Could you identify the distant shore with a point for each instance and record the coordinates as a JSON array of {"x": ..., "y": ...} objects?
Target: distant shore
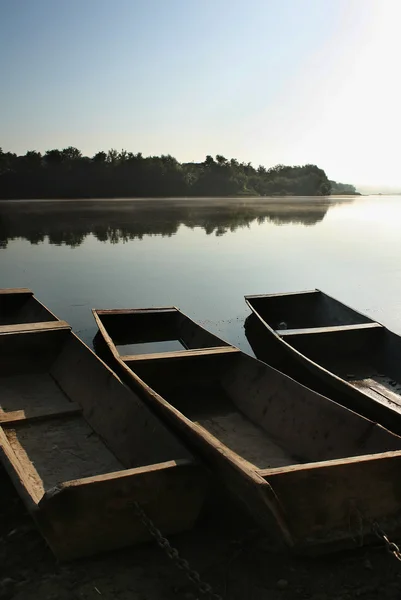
[{"x": 189, "y": 199}]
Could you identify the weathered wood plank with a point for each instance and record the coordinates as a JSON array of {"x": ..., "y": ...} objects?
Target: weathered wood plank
[
  {"x": 31, "y": 327},
  {"x": 6, "y": 291},
  {"x": 133, "y": 311},
  {"x": 106, "y": 338},
  {"x": 303, "y": 292},
  {"x": 312, "y": 467},
  {"x": 143, "y": 470},
  {"x": 19, "y": 416},
  {"x": 180, "y": 353},
  {"x": 18, "y": 473},
  {"x": 379, "y": 392},
  {"x": 329, "y": 329}
]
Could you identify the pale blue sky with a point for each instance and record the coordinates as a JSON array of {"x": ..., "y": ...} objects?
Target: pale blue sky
[{"x": 266, "y": 81}]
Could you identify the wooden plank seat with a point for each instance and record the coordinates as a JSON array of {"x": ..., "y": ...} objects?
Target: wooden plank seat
[{"x": 329, "y": 329}]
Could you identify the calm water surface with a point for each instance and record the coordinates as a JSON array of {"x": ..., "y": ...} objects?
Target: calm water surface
[{"x": 202, "y": 255}]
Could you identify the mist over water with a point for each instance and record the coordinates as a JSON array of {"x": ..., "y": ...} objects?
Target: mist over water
[{"x": 202, "y": 255}]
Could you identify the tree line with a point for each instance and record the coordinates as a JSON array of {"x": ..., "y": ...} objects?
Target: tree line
[
  {"x": 68, "y": 174},
  {"x": 343, "y": 189}
]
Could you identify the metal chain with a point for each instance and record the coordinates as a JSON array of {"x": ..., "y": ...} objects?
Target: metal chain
[
  {"x": 391, "y": 546},
  {"x": 182, "y": 564}
]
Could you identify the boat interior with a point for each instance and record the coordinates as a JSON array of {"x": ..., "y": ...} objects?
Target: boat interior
[
  {"x": 304, "y": 310},
  {"x": 266, "y": 418},
  {"x": 20, "y": 306},
  {"x": 346, "y": 343},
  {"x": 65, "y": 416},
  {"x": 146, "y": 331}
]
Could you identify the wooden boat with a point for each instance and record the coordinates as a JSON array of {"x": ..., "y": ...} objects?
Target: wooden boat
[
  {"x": 314, "y": 474},
  {"x": 19, "y": 307},
  {"x": 331, "y": 348},
  {"x": 80, "y": 447}
]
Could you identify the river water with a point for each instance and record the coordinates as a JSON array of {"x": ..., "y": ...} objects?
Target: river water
[{"x": 202, "y": 255}]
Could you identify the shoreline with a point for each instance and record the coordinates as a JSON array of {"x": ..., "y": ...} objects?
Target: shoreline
[{"x": 192, "y": 199}]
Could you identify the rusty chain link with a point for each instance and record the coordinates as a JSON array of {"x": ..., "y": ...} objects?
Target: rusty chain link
[
  {"x": 392, "y": 548},
  {"x": 182, "y": 564}
]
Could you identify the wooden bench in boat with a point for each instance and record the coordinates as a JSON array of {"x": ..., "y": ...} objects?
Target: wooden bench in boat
[
  {"x": 261, "y": 431},
  {"x": 179, "y": 353},
  {"x": 81, "y": 447},
  {"x": 329, "y": 329},
  {"x": 39, "y": 326}
]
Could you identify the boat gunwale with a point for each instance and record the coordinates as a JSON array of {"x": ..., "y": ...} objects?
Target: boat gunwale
[
  {"x": 34, "y": 327},
  {"x": 128, "y": 311},
  {"x": 251, "y": 296},
  {"x": 333, "y": 462},
  {"x": 117, "y": 475},
  {"x": 11, "y": 291}
]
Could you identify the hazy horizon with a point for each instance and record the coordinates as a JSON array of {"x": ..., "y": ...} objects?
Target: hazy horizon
[
  {"x": 266, "y": 82},
  {"x": 377, "y": 189}
]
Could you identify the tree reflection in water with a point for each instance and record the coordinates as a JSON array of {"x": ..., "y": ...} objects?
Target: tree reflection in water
[{"x": 69, "y": 222}]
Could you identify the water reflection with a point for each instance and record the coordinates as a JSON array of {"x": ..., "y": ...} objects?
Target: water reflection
[{"x": 69, "y": 222}]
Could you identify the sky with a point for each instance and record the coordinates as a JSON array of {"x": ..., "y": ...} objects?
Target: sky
[{"x": 264, "y": 81}]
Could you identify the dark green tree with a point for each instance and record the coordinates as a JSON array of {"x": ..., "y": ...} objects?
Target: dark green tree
[{"x": 67, "y": 173}]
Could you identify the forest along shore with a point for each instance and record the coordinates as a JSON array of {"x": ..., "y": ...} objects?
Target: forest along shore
[{"x": 68, "y": 174}]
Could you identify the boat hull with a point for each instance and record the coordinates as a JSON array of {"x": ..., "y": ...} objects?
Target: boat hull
[
  {"x": 83, "y": 450},
  {"x": 310, "y": 506},
  {"x": 299, "y": 358}
]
